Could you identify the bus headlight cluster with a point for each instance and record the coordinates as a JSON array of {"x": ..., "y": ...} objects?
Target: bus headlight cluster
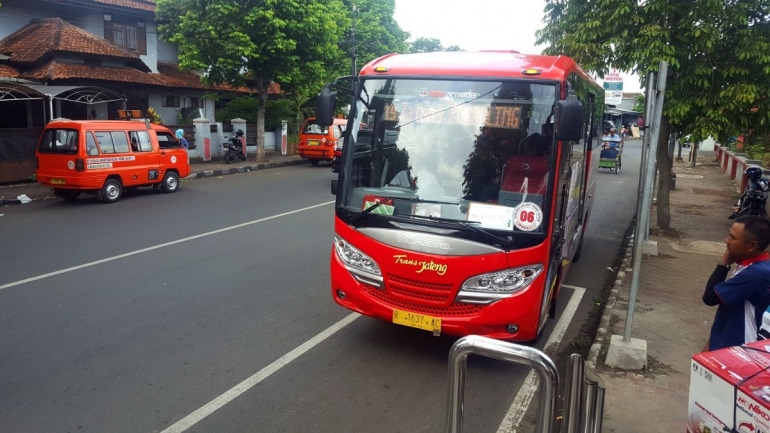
[
  {"x": 354, "y": 258},
  {"x": 485, "y": 288}
]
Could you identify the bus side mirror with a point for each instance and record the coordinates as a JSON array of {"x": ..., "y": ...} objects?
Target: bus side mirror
[
  {"x": 324, "y": 110},
  {"x": 569, "y": 119},
  {"x": 334, "y": 186}
]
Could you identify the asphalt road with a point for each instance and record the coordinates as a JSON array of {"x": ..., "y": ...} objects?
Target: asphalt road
[{"x": 144, "y": 315}]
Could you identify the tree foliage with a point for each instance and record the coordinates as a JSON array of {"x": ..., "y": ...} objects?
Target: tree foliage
[
  {"x": 718, "y": 51},
  {"x": 253, "y": 42},
  {"x": 425, "y": 45},
  {"x": 377, "y": 33}
]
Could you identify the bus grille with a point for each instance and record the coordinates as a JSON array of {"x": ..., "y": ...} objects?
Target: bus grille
[
  {"x": 419, "y": 291},
  {"x": 454, "y": 309}
]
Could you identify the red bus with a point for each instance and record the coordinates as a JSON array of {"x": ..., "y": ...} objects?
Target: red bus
[{"x": 464, "y": 189}]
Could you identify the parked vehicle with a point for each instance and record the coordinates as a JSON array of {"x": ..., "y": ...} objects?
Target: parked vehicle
[
  {"x": 318, "y": 143},
  {"x": 106, "y": 157},
  {"x": 233, "y": 149},
  {"x": 754, "y": 198},
  {"x": 458, "y": 210}
]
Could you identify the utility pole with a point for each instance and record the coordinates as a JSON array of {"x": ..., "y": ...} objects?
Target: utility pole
[{"x": 353, "y": 68}]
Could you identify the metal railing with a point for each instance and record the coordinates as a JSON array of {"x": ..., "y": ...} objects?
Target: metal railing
[
  {"x": 584, "y": 394},
  {"x": 584, "y": 398},
  {"x": 539, "y": 361}
]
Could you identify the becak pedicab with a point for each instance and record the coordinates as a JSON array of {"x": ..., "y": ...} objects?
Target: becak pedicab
[{"x": 612, "y": 147}]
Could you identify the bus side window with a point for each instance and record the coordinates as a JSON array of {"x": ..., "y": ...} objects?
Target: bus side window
[
  {"x": 140, "y": 141},
  {"x": 104, "y": 140},
  {"x": 121, "y": 142},
  {"x": 91, "y": 148}
]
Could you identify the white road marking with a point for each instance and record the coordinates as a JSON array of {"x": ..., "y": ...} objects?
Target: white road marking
[
  {"x": 163, "y": 245},
  {"x": 229, "y": 395},
  {"x": 520, "y": 404}
]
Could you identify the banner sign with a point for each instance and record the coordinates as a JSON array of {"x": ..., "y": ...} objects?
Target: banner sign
[{"x": 613, "y": 88}]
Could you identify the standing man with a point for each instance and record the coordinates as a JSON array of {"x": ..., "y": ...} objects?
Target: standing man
[{"x": 742, "y": 299}]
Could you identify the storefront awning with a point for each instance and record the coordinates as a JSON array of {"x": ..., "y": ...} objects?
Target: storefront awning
[
  {"x": 18, "y": 92},
  {"x": 80, "y": 94}
]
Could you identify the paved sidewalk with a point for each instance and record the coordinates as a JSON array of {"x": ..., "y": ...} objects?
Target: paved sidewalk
[
  {"x": 669, "y": 313},
  {"x": 199, "y": 169}
]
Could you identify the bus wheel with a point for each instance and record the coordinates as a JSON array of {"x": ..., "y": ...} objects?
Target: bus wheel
[
  {"x": 111, "y": 191},
  {"x": 170, "y": 182},
  {"x": 579, "y": 249}
]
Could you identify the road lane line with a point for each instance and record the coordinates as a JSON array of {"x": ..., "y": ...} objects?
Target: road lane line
[
  {"x": 163, "y": 245},
  {"x": 229, "y": 395},
  {"x": 520, "y": 404}
]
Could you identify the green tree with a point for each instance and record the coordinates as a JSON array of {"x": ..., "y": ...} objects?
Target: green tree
[
  {"x": 425, "y": 45},
  {"x": 454, "y": 48},
  {"x": 639, "y": 103},
  {"x": 718, "y": 53},
  {"x": 377, "y": 33},
  {"x": 253, "y": 41}
]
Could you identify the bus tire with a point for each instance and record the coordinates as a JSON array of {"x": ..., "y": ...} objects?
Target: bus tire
[
  {"x": 579, "y": 251},
  {"x": 170, "y": 182},
  {"x": 111, "y": 191}
]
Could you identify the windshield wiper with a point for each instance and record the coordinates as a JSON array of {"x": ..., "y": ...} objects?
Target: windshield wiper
[
  {"x": 363, "y": 213},
  {"x": 470, "y": 226}
]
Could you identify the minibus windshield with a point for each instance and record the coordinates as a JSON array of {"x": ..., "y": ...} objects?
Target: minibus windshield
[{"x": 461, "y": 150}]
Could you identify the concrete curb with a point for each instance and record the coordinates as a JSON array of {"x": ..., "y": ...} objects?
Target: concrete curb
[
  {"x": 243, "y": 169},
  {"x": 609, "y": 307}
]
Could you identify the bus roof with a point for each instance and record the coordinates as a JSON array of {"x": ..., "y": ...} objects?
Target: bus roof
[{"x": 503, "y": 64}]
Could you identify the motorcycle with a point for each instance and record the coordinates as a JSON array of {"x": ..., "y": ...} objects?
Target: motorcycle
[
  {"x": 234, "y": 149},
  {"x": 754, "y": 198}
]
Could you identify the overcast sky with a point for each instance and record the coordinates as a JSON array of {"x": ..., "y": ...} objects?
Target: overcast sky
[{"x": 480, "y": 24}]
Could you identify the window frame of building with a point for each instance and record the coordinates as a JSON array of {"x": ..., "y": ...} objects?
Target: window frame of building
[{"x": 174, "y": 101}]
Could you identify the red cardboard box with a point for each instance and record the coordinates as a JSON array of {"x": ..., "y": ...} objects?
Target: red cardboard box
[
  {"x": 752, "y": 400},
  {"x": 714, "y": 382}
]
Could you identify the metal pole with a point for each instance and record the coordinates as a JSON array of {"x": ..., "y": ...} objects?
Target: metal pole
[
  {"x": 649, "y": 107},
  {"x": 643, "y": 218},
  {"x": 353, "y": 69},
  {"x": 539, "y": 361},
  {"x": 573, "y": 395}
]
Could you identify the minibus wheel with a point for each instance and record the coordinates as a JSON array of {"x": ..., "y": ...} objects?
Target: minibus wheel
[
  {"x": 111, "y": 191},
  {"x": 170, "y": 182},
  {"x": 314, "y": 162}
]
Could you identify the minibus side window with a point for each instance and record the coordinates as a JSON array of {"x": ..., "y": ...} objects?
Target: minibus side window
[
  {"x": 121, "y": 142},
  {"x": 140, "y": 141},
  {"x": 91, "y": 145},
  {"x": 104, "y": 140}
]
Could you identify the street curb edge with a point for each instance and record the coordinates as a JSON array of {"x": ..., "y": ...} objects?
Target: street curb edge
[
  {"x": 243, "y": 169},
  {"x": 609, "y": 307}
]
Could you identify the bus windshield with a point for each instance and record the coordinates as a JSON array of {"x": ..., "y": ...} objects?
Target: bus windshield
[{"x": 476, "y": 152}]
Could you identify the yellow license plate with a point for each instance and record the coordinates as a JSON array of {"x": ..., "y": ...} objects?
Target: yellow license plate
[
  {"x": 419, "y": 321},
  {"x": 57, "y": 181},
  {"x": 313, "y": 142}
]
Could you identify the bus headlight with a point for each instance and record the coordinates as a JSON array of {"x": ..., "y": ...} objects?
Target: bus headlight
[
  {"x": 485, "y": 288},
  {"x": 354, "y": 259}
]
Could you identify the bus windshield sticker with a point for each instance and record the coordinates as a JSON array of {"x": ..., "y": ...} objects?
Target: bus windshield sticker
[
  {"x": 527, "y": 217},
  {"x": 386, "y": 208},
  {"x": 491, "y": 216},
  {"x": 440, "y": 112},
  {"x": 427, "y": 209}
]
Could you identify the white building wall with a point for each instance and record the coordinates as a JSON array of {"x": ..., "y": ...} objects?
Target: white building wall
[
  {"x": 166, "y": 51},
  {"x": 151, "y": 58}
]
